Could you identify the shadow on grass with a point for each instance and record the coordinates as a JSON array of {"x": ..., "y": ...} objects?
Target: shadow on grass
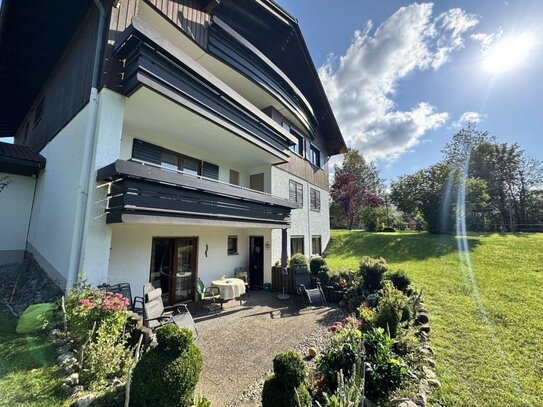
[{"x": 394, "y": 247}]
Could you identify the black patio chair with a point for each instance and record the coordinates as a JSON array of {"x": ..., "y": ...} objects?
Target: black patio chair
[
  {"x": 243, "y": 274},
  {"x": 135, "y": 304},
  {"x": 305, "y": 289},
  {"x": 155, "y": 317}
]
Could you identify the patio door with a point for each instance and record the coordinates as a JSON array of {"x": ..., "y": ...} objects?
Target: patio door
[
  {"x": 174, "y": 268},
  {"x": 256, "y": 261}
]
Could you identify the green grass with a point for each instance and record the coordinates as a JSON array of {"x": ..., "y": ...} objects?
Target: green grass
[
  {"x": 28, "y": 375},
  {"x": 487, "y": 319}
]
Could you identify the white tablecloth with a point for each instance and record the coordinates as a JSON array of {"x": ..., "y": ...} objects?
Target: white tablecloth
[{"x": 230, "y": 288}]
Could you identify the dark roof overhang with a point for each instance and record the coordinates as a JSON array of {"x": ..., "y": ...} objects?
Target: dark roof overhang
[
  {"x": 20, "y": 160},
  {"x": 277, "y": 34},
  {"x": 33, "y": 36}
]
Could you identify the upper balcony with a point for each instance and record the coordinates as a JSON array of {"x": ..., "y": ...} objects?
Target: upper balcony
[
  {"x": 167, "y": 76},
  {"x": 144, "y": 193}
]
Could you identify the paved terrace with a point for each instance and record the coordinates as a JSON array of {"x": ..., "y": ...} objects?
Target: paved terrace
[{"x": 239, "y": 344}]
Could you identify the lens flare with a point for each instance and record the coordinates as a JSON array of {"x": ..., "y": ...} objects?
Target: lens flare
[{"x": 508, "y": 53}]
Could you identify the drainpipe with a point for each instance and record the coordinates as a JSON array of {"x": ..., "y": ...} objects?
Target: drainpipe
[{"x": 86, "y": 180}]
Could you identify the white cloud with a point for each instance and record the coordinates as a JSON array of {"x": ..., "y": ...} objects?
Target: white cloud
[
  {"x": 486, "y": 40},
  {"x": 468, "y": 117},
  {"x": 362, "y": 83}
]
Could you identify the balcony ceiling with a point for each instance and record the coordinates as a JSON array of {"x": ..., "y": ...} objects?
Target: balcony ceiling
[{"x": 151, "y": 113}]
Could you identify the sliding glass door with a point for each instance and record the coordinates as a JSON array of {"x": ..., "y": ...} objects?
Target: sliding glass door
[{"x": 174, "y": 268}]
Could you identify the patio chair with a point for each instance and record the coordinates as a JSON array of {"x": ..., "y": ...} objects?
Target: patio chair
[
  {"x": 155, "y": 317},
  {"x": 304, "y": 288},
  {"x": 243, "y": 274},
  {"x": 207, "y": 294},
  {"x": 135, "y": 304}
]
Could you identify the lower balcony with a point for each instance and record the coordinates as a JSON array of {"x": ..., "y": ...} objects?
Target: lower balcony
[{"x": 142, "y": 193}]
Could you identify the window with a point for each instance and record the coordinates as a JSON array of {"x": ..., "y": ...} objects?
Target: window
[
  {"x": 296, "y": 245},
  {"x": 234, "y": 177},
  {"x": 172, "y": 160},
  {"x": 232, "y": 246},
  {"x": 314, "y": 199},
  {"x": 296, "y": 192},
  {"x": 299, "y": 146},
  {"x": 316, "y": 249},
  {"x": 315, "y": 156},
  {"x": 38, "y": 114},
  {"x": 256, "y": 182}
]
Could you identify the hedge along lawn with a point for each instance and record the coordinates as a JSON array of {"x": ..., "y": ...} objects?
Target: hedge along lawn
[
  {"x": 28, "y": 374},
  {"x": 487, "y": 320}
]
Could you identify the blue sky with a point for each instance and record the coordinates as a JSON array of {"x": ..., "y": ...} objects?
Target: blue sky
[{"x": 401, "y": 75}]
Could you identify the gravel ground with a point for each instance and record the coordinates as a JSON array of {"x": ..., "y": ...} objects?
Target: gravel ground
[{"x": 240, "y": 343}]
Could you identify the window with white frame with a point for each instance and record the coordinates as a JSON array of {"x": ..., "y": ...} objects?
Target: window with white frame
[
  {"x": 316, "y": 248},
  {"x": 232, "y": 247},
  {"x": 296, "y": 245}
]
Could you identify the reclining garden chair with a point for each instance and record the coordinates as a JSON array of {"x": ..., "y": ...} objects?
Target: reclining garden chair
[
  {"x": 304, "y": 288},
  {"x": 155, "y": 317}
]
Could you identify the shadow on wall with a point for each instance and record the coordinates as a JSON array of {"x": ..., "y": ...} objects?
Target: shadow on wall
[{"x": 395, "y": 247}]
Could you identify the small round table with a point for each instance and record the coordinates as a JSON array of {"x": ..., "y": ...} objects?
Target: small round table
[{"x": 230, "y": 288}]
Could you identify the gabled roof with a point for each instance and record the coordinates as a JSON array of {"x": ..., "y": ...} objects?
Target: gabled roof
[
  {"x": 277, "y": 34},
  {"x": 33, "y": 36},
  {"x": 21, "y": 160}
]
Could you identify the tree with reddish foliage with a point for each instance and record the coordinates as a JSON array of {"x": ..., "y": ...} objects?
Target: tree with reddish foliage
[{"x": 350, "y": 195}]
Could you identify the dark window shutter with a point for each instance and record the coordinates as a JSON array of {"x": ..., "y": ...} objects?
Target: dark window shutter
[
  {"x": 292, "y": 191},
  {"x": 210, "y": 170},
  {"x": 148, "y": 152}
]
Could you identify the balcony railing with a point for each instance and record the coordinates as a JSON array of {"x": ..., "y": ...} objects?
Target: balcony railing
[{"x": 141, "y": 189}]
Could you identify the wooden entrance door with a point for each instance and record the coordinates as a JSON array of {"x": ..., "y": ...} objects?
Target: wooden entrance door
[{"x": 174, "y": 268}]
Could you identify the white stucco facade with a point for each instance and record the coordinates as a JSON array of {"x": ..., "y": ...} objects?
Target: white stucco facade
[
  {"x": 131, "y": 248},
  {"x": 15, "y": 209},
  {"x": 305, "y": 222}
]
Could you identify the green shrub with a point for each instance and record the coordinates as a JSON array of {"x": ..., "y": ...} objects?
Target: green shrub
[
  {"x": 316, "y": 264},
  {"x": 384, "y": 369},
  {"x": 298, "y": 260},
  {"x": 286, "y": 386},
  {"x": 390, "y": 309},
  {"x": 373, "y": 300},
  {"x": 105, "y": 358},
  {"x": 167, "y": 375},
  {"x": 324, "y": 276},
  {"x": 399, "y": 278},
  {"x": 371, "y": 271}
]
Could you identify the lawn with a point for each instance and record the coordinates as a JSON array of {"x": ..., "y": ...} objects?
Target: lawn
[
  {"x": 486, "y": 307},
  {"x": 28, "y": 376}
]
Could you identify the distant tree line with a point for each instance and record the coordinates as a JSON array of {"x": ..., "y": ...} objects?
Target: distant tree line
[{"x": 478, "y": 183}]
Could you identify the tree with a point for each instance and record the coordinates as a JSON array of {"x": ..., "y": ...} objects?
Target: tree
[
  {"x": 432, "y": 192},
  {"x": 4, "y": 182},
  {"x": 349, "y": 195},
  {"x": 463, "y": 143},
  {"x": 366, "y": 173}
]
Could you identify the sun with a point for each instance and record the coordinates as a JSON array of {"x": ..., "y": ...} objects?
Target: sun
[{"x": 508, "y": 53}]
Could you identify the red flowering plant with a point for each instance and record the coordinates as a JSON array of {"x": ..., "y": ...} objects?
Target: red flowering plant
[
  {"x": 88, "y": 308},
  {"x": 98, "y": 319}
]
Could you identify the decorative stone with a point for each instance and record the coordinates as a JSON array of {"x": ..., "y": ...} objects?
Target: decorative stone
[
  {"x": 77, "y": 389},
  {"x": 434, "y": 383},
  {"x": 427, "y": 350},
  {"x": 425, "y": 328},
  {"x": 67, "y": 389},
  {"x": 431, "y": 363},
  {"x": 72, "y": 380},
  {"x": 421, "y": 399},
  {"x": 424, "y": 387},
  {"x": 55, "y": 333},
  {"x": 59, "y": 341},
  {"x": 84, "y": 401},
  {"x": 312, "y": 352},
  {"x": 401, "y": 402},
  {"x": 422, "y": 318},
  {"x": 429, "y": 373},
  {"x": 61, "y": 350},
  {"x": 65, "y": 356}
]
